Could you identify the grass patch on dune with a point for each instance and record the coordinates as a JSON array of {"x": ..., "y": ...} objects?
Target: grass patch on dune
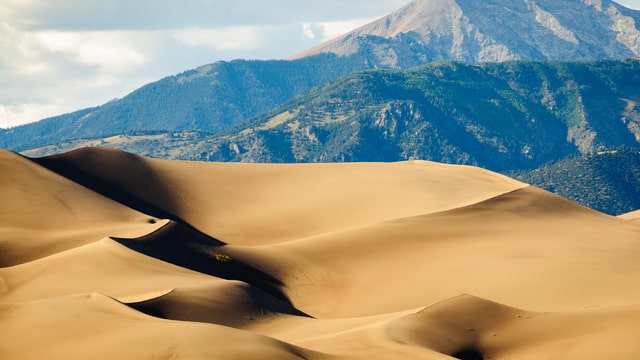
[{"x": 222, "y": 258}]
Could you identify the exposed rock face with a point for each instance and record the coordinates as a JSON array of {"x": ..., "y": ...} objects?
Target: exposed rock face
[{"x": 476, "y": 31}]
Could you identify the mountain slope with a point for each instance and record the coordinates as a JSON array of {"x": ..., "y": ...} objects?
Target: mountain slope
[
  {"x": 210, "y": 98},
  {"x": 505, "y": 116},
  {"x": 492, "y": 30},
  {"x": 605, "y": 181}
]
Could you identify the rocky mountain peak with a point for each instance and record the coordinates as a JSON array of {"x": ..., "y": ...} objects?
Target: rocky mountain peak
[{"x": 475, "y": 31}]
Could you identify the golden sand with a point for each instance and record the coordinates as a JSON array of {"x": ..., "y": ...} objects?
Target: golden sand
[{"x": 106, "y": 255}]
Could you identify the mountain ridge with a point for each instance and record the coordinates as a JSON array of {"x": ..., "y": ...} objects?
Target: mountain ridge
[
  {"x": 209, "y": 98},
  {"x": 537, "y": 111},
  {"x": 492, "y": 31},
  {"x": 499, "y": 116}
]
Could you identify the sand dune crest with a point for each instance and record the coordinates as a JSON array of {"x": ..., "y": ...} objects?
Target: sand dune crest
[
  {"x": 467, "y": 327},
  {"x": 230, "y": 303},
  {"x": 184, "y": 246},
  {"x": 631, "y": 216},
  {"x": 237, "y": 202},
  {"x": 455, "y": 327}
]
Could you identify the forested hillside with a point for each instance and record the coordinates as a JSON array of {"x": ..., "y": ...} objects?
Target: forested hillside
[
  {"x": 208, "y": 99},
  {"x": 505, "y": 116},
  {"x": 607, "y": 181}
]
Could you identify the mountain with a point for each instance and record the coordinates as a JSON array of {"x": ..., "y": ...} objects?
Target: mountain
[
  {"x": 217, "y": 96},
  {"x": 501, "y": 116},
  {"x": 505, "y": 116},
  {"x": 210, "y": 98},
  {"x": 473, "y": 31}
]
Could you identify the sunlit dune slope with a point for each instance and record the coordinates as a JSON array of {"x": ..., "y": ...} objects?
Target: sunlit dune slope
[
  {"x": 108, "y": 255},
  {"x": 266, "y": 203},
  {"x": 470, "y": 327},
  {"x": 528, "y": 248},
  {"x": 94, "y": 326}
]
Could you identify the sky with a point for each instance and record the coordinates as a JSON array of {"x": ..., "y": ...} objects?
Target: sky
[{"x": 58, "y": 56}]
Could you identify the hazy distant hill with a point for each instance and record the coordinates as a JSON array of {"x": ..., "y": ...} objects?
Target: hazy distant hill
[{"x": 474, "y": 31}]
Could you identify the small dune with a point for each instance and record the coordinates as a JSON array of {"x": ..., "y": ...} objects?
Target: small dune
[
  {"x": 108, "y": 255},
  {"x": 230, "y": 303},
  {"x": 467, "y": 327}
]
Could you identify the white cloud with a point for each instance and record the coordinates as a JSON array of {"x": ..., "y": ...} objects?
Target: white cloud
[
  {"x": 633, "y": 4},
  {"x": 34, "y": 69},
  {"x": 332, "y": 29},
  {"x": 170, "y": 14},
  {"x": 46, "y": 73},
  {"x": 10, "y": 115},
  {"x": 228, "y": 38},
  {"x": 310, "y": 30},
  {"x": 326, "y": 30},
  {"x": 109, "y": 50}
]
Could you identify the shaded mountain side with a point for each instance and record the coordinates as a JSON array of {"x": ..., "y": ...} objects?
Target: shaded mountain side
[
  {"x": 210, "y": 98},
  {"x": 492, "y": 30},
  {"x": 606, "y": 181}
]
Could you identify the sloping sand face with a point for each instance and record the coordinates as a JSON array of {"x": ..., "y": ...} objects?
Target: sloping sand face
[
  {"x": 109, "y": 255},
  {"x": 42, "y": 213},
  {"x": 631, "y": 216},
  {"x": 258, "y": 204}
]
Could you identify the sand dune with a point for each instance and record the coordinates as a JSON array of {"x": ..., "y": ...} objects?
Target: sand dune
[
  {"x": 474, "y": 327},
  {"x": 266, "y": 203},
  {"x": 94, "y": 326},
  {"x": 43, "y": 213},
  {"x": 632, "y": 216},
  {"x": 231, "y": 303},
  {"x": 109, "y": 255}
]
